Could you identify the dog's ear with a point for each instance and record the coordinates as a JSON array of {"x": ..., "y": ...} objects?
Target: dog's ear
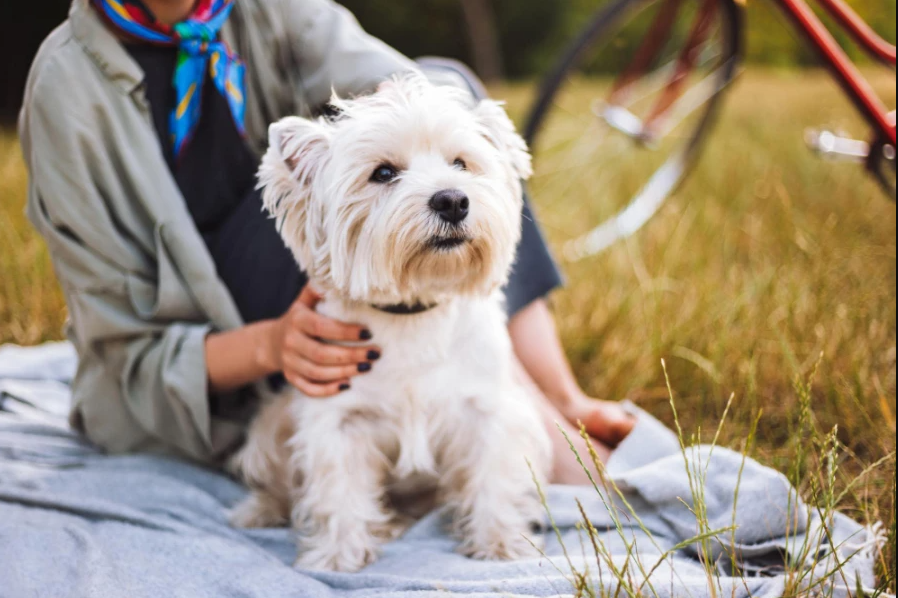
[
  {"x": 501, "y": 132},
  {"x": 298, "y": 150},
  {"x": 301, "y": 144}
]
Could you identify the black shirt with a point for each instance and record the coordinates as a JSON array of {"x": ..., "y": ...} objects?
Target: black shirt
[{"x": 216, "y": 173}]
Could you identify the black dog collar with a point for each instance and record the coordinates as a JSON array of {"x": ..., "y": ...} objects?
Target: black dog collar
[{"x": 403, "y": 309}]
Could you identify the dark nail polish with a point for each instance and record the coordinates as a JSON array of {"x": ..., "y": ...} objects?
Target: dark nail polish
[
  {"x": 373, "y": 355},
  {"x": 344, "y": 387},
  {"x": 364, "y": 367},
  {"x": 366, "y": 335}
]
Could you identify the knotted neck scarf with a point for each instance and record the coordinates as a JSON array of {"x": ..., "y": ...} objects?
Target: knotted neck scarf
[{"x": 200, "y": 51}]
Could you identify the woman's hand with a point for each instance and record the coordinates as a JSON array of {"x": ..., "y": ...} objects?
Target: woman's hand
[
  {"x": 295, "y": 344},
  {"x": 605, "y": 421},
  {"x": 300, "y": 347}
]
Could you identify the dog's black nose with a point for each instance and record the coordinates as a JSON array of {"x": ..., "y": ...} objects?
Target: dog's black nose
[{"x": 452, "y": 206}]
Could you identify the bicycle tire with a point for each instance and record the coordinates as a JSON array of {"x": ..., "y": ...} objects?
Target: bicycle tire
[{"x": 604, "y": 22}]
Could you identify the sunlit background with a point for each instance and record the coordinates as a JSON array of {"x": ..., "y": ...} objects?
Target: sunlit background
[{"x": 768, "y": 265}]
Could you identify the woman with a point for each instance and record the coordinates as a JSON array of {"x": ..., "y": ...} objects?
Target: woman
[{"x": 142, "y": 128}]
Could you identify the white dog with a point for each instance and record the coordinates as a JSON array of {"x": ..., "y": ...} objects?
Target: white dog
[{"x": 405, "y": 210}]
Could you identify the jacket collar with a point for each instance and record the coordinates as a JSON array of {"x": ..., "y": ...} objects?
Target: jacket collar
[
  {"x": 104, "y": 47},
  {"x": 107, "y": 51}
]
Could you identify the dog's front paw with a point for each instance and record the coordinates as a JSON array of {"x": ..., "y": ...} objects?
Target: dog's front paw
[
  {"x": 346, "y": 556},
  {"x": 498, "y": 544},
  {"x": 340, "y": 560}
]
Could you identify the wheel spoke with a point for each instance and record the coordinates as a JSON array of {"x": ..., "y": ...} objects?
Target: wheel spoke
[
  {"x": 694, "y": 98},
  {"x": 629, "y": 153}
]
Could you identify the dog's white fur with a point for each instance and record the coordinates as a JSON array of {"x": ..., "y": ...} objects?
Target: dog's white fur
[{"x": 442, "y": 409}]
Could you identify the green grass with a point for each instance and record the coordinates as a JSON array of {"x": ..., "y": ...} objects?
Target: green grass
[{"x": 767, "y": 259}]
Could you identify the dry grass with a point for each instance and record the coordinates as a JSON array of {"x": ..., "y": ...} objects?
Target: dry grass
[
  {"x": 766, "y": 259},
  {"x": 31, "y": 306}
]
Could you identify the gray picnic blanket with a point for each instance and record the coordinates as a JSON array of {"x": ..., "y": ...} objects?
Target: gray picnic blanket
[{"x": 74, "y": 522}]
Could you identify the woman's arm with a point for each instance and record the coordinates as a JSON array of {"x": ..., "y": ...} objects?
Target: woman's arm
[
  {"x": 295, "y": 344},
  {"x": 334, "y": 54},
  {"x": 538, "y": 348}
]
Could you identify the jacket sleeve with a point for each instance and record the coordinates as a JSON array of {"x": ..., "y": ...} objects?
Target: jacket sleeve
[
  {"x": 142, "y": 381},
  {"x": 333, "y": 52}
]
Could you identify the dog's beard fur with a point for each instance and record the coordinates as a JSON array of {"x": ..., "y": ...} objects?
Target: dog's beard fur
[
  {"x": 442, "y": 402},
  {"x": 377, "y": 243}
]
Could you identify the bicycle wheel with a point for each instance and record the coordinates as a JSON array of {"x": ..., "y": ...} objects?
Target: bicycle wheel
[{"x": 621, "y": 118}]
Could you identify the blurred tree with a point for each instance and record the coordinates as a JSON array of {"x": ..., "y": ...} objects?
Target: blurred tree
[
  {"x": 526, "y": 30},
  {"x": 484, "y": 38},
  {"x": 437, "y": 28},
  {"x": 23, "y": 26}
]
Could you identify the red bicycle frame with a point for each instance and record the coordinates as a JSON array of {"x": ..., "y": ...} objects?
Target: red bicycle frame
[{"x": 846, "y": 73}]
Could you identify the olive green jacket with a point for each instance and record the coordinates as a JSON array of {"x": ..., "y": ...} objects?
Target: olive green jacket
[{"x": 141, "y": 287}]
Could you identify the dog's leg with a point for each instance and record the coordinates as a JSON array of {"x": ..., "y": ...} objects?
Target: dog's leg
[
  {"x": 490, "y": 486},
  {"x": 260, "y": 509},
  {"x": 262, "y": 464},
  {"x": 339, "y": 510}
]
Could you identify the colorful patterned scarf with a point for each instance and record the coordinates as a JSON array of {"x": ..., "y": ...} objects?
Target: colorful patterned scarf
[{"x": 200, "y": 51}]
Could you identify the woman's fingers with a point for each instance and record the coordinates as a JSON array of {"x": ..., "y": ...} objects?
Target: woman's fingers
[
  {"x": 608, "y": 422},
  {"x": 322, "y": 374},
  {"x": 304, "y": 318},
  {"x": 309, "y": 297},
  {"x": 318, "y": 326},
  {"x": 318, "y": 391},
  {"x": 320, "y": 353}
]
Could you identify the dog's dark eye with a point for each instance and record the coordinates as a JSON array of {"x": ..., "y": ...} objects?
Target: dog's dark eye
[
  {"x": 384, "y": 174},
  {"x": 331, "y": 113},
  {"x": 460, "y": 164}
]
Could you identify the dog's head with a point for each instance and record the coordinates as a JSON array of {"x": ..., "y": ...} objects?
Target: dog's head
[{"x": 408, "y": 195}]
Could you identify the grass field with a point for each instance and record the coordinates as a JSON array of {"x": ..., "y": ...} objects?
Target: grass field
[{"x": 766, "y": 260}]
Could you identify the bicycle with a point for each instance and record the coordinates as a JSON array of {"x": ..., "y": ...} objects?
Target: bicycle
[{"x": 673, "y": 61}]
